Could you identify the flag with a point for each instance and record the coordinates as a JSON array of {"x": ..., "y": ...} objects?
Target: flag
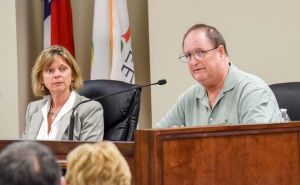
[
  {"x": 111, "y": 50},
  {"x": 58, "y": 27}
]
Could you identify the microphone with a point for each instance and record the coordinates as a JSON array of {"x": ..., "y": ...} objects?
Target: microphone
[{"x": 72, "y": 118}]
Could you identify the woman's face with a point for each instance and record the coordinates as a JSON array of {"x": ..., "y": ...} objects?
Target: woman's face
[{"x": 58, "y": 77}]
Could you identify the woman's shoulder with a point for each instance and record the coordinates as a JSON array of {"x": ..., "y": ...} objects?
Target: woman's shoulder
[
  {"x": 88, "y": 105},
  {"x": 36, "y": 106},
  {"x": 38, "y": 103}
]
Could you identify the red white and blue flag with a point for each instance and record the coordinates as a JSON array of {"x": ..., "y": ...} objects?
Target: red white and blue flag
[
  {"x": 111, "y": 51},
  {"x": 58, "y": 27}
]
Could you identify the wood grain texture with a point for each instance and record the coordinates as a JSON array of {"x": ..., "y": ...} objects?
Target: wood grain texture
[
  {"x": 211, "y": 155},
  {"x": 219, "y": 155}
]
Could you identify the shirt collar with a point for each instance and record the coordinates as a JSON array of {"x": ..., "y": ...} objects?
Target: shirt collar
[
  {"x": 228, "y": 84},
  {"x": 66, "y": 107},
  {"x": 229, "y": 81}
]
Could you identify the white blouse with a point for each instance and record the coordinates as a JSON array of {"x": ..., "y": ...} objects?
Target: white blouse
[{"x": 43, "y": 132}]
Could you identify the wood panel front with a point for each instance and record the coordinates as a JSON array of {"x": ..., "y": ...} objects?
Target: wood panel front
[
  {"x": 224, "y": 155},
  {"x": 215, "y": 155}
]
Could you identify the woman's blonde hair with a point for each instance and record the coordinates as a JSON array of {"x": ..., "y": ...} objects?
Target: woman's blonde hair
[
  {"x": 44, "y": 60},
  {"x": 99, "y": 163}
]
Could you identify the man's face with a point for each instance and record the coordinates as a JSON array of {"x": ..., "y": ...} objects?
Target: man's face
[{"x": 208, "y": 68}]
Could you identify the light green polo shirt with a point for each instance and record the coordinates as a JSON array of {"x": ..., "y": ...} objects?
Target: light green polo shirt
[{"x": 245, "y": 98}]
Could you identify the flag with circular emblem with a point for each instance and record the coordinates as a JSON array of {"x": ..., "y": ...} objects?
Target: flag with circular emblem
[{"x": 111, "y": 50}]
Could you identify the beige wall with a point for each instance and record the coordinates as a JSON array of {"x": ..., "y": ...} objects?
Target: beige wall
[
  {"x": 29, "y": 34},
  {"x": 9, "y": 116},
  {"x": 262, "y": 37}
]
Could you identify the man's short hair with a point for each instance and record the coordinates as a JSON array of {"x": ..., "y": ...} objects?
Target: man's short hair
[
  {"x": 215, "y": 37},
  {"x": 28, "y": 163}
]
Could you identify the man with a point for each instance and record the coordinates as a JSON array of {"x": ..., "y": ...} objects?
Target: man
[
  {"x": 224, "y": 94},
  {"x": 29, "y": 163}
]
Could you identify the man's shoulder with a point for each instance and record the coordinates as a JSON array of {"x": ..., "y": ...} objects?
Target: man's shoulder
[
  {"x": 194, "y": 89},
  {"x": 191, "y": 93},
  {"x": 247, "y": 79}
]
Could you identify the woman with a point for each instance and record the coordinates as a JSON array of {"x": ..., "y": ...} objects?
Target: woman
[
  {"x": 57, "y": 76},
  {"x": 99, "y": 163}
]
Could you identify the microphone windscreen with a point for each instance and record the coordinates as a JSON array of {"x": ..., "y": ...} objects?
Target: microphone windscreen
[{"x": 162, "y": 82}]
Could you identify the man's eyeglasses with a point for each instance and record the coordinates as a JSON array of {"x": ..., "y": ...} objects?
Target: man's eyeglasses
[{"x": 197, "y": 53}]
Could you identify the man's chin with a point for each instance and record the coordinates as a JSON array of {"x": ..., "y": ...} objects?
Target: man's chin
[{"x": 200, "y": 78}]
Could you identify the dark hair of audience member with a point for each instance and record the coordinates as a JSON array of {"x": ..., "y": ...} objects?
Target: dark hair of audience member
[{"x": 28, "y": 163}]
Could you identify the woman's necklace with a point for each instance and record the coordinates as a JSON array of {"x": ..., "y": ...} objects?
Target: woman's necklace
[{"x": 51, "y": 112}]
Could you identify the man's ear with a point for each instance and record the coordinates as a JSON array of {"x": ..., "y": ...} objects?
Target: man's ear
[
  {"x": 221, "y": 51},
  {"x": 63, "y": 181}
]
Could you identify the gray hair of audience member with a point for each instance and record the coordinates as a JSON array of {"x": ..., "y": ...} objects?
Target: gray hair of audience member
[
  {"x": 215, "y": 37},
  {"x": 28, "y": 163}
]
